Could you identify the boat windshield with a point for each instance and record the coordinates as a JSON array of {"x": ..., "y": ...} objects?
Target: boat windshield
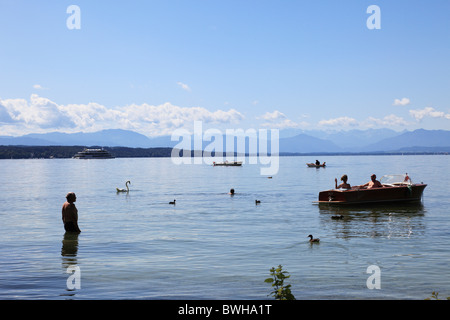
[{"x": 395, "y": 179}]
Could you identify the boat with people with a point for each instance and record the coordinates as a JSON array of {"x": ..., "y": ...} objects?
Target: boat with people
[
  {"x": 228, "y": 163},
  {"x": 93, "y": 154},
  {"x": 394, "y": 188},
  {"x": 316, "y": 165}
]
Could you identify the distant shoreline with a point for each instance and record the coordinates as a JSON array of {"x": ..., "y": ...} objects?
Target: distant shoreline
[{"x": 65, "y": 152}]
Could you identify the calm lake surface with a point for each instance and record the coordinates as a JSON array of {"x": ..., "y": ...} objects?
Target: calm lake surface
[{"x": 211, "y": 245}]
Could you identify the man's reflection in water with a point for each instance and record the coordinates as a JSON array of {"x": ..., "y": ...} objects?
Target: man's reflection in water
[
  {"x": 69, "y": 249},
  {"x": 69, "y": 252}
]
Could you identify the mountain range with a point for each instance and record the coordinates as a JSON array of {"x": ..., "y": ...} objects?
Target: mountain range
[{"x": 356, "y": 141}]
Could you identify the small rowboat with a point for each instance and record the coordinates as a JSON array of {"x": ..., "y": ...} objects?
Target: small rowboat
[
  {"x": 228, "y": 164},
  {"x": 313, "y": 165}
]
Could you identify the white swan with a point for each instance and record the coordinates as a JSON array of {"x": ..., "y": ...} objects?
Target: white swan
[{"x": 124, "y": 190}]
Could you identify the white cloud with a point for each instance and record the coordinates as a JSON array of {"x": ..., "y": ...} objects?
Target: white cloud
[
  {"x": 401, "y": 102},
  {"x": 339, "y": 122},
  {"x": 93, "y": 116},
  {"x": 272, "y": 116},
  {"x": 277, "y": 119},
  {"x": 428, "y": 112},
  {"x": 184, "y": 86},
  {"x": 39, "y": 87},
  {"x": 391, "y": 120},
  {"x": 40, "y": 114},
  {"x": 388, "y": 121},
  {"x": 164, "y": 118},
  {"x": 5, "y": 117}
]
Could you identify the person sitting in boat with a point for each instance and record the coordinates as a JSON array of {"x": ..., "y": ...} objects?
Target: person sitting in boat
[
  {"x": 373, "y": 183},
  {"x": 317, "y": 163},
  {"x": 344, "y": 184}
]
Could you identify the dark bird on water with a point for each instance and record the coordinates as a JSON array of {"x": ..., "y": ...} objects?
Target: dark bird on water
[
  {"x": 312, "y": 239},
  {"x": 172, "y": 202},
  {"x": 257, "y": 201}
]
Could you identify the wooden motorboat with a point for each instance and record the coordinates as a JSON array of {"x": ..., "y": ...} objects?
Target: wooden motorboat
[
  {"x": 228, "y": 163},
  {"x": 395, "y": 189}
]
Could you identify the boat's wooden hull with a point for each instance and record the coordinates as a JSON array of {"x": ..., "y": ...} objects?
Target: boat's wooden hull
[{"x": 405, "y": 193}]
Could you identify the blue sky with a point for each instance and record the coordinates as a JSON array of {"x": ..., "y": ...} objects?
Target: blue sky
[{"x": 154, "y": 66}]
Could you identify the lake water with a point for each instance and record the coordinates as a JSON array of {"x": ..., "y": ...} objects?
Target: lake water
[{"x": 211, "y": 245}]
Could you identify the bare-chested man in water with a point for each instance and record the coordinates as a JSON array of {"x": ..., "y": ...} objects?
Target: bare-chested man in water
[{"x": 70, "y": 214}]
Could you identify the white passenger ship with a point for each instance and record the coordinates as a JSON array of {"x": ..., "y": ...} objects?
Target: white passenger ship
[{"x": 93, "y": 154}]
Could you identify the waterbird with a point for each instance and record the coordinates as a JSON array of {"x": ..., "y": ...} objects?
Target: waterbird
[
  {"x": 123, "y": 190},
  {"x": 337, "y": 217},
  {"x": 312, "y": 239},
  {"x": 257, "y": 201},
  {"x": 172, "y": 202}
]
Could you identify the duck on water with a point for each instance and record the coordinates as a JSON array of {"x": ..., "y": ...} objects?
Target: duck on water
[{"x": 313, "y": 240}]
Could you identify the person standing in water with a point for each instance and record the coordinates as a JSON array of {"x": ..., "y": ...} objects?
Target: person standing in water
[{"x": 70, "y": 214}]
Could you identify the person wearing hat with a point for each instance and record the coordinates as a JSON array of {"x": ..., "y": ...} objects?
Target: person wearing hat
[{"x": 70, "y": 214}]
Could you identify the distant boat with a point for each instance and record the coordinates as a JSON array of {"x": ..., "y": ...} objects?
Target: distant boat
[
  {"x": 93, "y": 154},
  {"x": 313, "y": 165},
  {"x": 228, "y": 164},
  {"x": 396, "y": 188}
]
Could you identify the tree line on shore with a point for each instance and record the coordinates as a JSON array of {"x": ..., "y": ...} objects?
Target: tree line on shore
[{"x": 61, "y": 152}]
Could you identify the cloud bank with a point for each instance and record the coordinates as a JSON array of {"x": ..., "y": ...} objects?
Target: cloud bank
[
  {"x": 428, "y": 112},
  {"x": 388, "y": 121},
  {"x": 40, "y": 115},
  {"x": 19, "y": 116},
  {"x": 339, "y": 122}
]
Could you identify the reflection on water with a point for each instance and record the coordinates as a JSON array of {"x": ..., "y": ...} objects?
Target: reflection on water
[
  {"x": 69, "y": 249},
  {"x": 376, "y": 220},
  {"x": 69, "y": 253}
]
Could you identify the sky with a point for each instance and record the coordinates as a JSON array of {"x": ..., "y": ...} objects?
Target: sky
[{"x": 158, "y": 65}]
